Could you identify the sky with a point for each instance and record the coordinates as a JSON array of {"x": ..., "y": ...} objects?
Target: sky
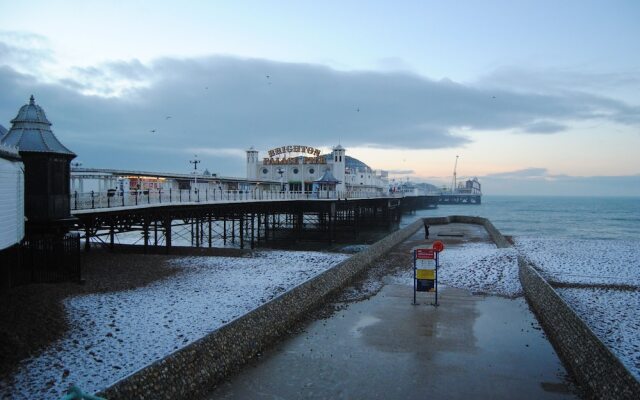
[{"x": 535, "y": 97}]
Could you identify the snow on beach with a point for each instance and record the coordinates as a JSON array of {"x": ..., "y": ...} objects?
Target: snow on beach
[
  {"x": 115, "y": 334},
  {"x": 584, "y": 261},
  {"x": 612, "y": 314},
  {"x": 479, "y": 267}
]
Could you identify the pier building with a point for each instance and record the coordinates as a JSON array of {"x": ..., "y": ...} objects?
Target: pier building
[
  {"x": 46, "y": 170},
  {"x": 47, "y": 252},
  {"x": 301, "y": 168},
  {"x": 118, "y": 182}
]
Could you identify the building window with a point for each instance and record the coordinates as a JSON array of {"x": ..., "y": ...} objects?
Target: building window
[
  {"x": 340, "y": 158},
  {"x": 295, "y": 170},
  {"x": 265, "y": 171},
  {"x": 312, "y": 171}
]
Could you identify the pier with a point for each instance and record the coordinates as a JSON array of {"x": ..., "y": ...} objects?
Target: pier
[
  {"x": 459, "y": 198},
  {"x": 237, "y": 218}
]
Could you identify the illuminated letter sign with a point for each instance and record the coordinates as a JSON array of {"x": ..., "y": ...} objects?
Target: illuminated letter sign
[{"x": 287, "y": 158}]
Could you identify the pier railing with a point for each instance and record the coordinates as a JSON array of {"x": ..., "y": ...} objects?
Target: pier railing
[{"x": 113, "y": 198}]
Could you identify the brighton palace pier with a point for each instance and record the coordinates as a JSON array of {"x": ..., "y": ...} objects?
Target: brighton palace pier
[{"x": 294, "y": 192}]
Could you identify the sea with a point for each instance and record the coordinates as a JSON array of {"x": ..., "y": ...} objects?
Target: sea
[{"x": 606, "y": 218}]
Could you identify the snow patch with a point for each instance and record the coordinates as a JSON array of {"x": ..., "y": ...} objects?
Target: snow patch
[
  {"x": 113, "y": 335},
  {"x": 613, "y": 315}
]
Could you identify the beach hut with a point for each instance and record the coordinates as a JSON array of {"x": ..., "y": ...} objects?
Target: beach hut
[{"x": 11, "y": 212}]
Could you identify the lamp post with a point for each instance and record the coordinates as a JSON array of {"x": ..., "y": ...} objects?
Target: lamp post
[
  {"x": 281, "y": 172},
  {"x": 195, "y": 163}
]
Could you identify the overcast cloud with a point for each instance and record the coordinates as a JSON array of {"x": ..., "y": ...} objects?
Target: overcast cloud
[
  {"x": 106, "y": 113},
  {"x": 538, "y": 181}
]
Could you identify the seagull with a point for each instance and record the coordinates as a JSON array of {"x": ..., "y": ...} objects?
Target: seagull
[
  {"x": 153, "y": 131},
  {"x": 167, "y": 117},
  {"x": 357, "y": 109},
  {"x": 493, "y": 97}
]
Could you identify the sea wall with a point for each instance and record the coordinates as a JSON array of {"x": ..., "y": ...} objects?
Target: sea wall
[
  {"x": 598, "y": 371},
  {"x": 196, "y": 368},
  {"x": 494, "y": 233}
]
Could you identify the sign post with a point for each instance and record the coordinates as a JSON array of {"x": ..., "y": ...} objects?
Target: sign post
[{"x": 425, "y": 270}]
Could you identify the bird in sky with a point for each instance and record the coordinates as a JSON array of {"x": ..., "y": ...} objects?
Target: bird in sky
[
  {"x": 493, "y": 97},
  {"x": 168, "y": 117},
  {"x": 153, "y": 131},
  {"x": 358, "y": 109}
]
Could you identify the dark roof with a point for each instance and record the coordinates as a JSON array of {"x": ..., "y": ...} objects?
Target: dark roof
[
  {"x": 327, "y": 177},
  {"x": 350, "y": 162},
  {"x": 31, "y": 132}
]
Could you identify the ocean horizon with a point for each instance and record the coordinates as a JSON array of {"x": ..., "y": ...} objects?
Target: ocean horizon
[{"x": 561, "y": 217}]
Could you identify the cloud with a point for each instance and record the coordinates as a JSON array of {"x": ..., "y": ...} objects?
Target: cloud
[
  {"x": 521, "y": 173},
  {"x": 538, "y": 181},
  {"x": 401, "y": 172},
  {"x": 553, "y": 80},
  {"x": 144, "y": 115},
  {"x": 544, "y": 127},
  {"x": 24, "y": 51}
]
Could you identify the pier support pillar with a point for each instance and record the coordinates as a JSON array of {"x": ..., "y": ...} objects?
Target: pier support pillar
[{"x": 167, "y": 234}]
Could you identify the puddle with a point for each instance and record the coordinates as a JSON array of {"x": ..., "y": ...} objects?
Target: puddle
[{"x": 363, "y": 322}]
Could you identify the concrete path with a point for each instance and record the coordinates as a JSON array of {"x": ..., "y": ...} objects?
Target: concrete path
[{"x": 471, "y": 347}]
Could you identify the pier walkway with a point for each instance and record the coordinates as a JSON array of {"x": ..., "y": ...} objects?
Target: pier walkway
[
  {"x": 243, "y": 217},
  {"x": 481, "y": 347}
]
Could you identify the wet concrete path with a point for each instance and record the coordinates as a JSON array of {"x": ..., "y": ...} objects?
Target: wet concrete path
[{"x": 386, "y": 348}]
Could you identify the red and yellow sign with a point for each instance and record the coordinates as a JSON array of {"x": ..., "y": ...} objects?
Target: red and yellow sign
[{"x": 425, "y": 254}]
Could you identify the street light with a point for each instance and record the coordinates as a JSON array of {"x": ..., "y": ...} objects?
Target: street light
[
  {"x": 281, "y": 172},
  {"x": 195, "y": 163}
]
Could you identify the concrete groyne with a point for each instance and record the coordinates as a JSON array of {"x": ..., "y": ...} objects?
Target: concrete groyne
[
  {"x": 494, "y": 233},
  {"x": 199, "y": 366},
  {"x": 598, "y": 371}
]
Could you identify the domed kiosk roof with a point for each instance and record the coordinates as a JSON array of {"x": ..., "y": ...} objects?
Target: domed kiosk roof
[
  {"x": 327, "y": 177},
  {"x": 349, "y": 162},
  {"x": 30, "y": 132}
]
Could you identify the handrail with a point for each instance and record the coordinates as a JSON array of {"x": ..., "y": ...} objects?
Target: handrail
[{"x": 114, "y": 198}]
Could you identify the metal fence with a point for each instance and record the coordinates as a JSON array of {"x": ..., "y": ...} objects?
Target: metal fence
[
  {"x": 49, "y": 259},
  {"x": 113, "y": 198}
]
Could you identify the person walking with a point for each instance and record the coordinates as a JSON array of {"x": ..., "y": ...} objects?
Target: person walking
[{"x": 426, "y": 230}]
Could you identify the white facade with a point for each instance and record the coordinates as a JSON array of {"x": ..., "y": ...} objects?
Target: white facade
[
  {"x": 11, "y": 198},
  {"x": 297, "y": 167},
  {"x": 87, "y": 180}
]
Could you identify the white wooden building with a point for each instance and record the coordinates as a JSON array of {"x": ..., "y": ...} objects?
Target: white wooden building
[{"x": 11, "y": 198}]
